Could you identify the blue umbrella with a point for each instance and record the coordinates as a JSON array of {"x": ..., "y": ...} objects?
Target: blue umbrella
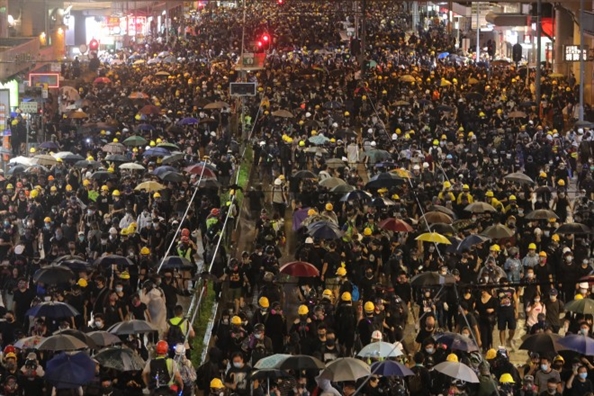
[
  {"x": 188, "y": 121},
  {"x": 443, "y": 55},
  {"x": 162, "y": 169},
  {"x": 66, "y": 371},
  {"x": 156, "y": 152},
  {"x": 318, "y": 139},
  {"x": 390, "y": 368},
  {"x": 145, "y": 127},
  {"x": 325, "y": 232},
  {"x": 458, "y": 342},
  {"x": 470, "y": 241},
  {"x": 49, "y": 146},
  {"x": 578, "y": 343},
  {"x": 53, "y": 310}
]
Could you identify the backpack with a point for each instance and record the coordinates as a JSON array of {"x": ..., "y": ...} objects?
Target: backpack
[
  {"x": 415, "y": 383},
  {"x": 175, "y": 335},
  {"x": 355, "y": 295}
]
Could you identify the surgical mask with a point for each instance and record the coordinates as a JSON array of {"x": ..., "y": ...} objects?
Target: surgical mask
[
  {"x": 90, "y": 212},
  {"x": 81, "y": 238},
  {"x": 237, "y": 365},
  {"x": 530, "y": 275},
  {"x": 584, "y": 331},
  {"x": 569, "y": 259},
  {"x": 544, "y": 367},
  {"x": 552, "y": 391},
  {"x": 583, "y": 375},
  {"x": 119, "y": 289},
  {"x": 47, "y": 226},
  {"x": 225, "y": 321},
  {"x": 47, "y": 298},
  {"x": 430, "y": 351},
  {"x": 258, "y": 336},
  {"x": 98, "y": 324},
  {"x": 466, "y": 335}
]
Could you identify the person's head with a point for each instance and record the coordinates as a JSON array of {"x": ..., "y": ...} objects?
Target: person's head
[
  {"x": 430, "y": 322},
  {"x": 106, "y": 384},
  {"x": 584, "y": 328},
  {"x": 237, "y": 360},
  {"x": 529, "y": 273},
  {"x": 552, "y": 384},
  {"x": 582, "y": 372},
  {"x": 178, "y": 311},
  {"x": 419, "y": 358},
  {"x": 348, "y": 388},
  {"x": 558, "y": 362},
  {"x": 429, "y": 346},
  {"x": 545, "y": 363}
]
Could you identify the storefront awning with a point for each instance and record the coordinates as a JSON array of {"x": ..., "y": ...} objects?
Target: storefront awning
[{"x": 504, "y": 19}]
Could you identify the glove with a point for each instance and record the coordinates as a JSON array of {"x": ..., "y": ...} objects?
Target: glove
[{"x": 445, "y": 306}]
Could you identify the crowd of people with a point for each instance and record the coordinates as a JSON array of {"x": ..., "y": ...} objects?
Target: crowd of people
[{"x": 421, "y": 192}]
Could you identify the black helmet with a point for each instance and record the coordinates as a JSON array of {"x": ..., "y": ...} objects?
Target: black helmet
[
  {"x": 269, "y": 249},
  {"x": 259, "y": 327}
]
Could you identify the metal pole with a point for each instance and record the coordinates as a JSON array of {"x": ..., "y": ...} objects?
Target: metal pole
[
  {"x": 582, "y": 62},
  {"x": 363, "y": 36},
  {"x": 478, "y": 32},
  {"x": 538, "y": 51}
]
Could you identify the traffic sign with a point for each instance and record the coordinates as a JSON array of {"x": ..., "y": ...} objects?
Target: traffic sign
[
  {"x": 243, "y": 88},
  {"x": 28, "y": 107}
]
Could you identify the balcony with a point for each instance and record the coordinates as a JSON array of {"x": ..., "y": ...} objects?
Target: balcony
[{"x": 17, "y": 55}]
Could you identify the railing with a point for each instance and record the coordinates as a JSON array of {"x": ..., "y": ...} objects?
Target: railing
[{"x": 16, "y": 55}]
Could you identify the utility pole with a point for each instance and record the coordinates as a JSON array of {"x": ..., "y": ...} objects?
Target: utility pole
[
  {"x": 478, "y": 32},
  {"x": 363, "y": 40},
  {"x": 582, "y": 62},
  {"x": 538, "y": 51}
]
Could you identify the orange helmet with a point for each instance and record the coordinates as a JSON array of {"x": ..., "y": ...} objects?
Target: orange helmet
[
  {"x": 162, "y": 347},
  {"x": 215, "y": 212},
  {"x": 185, "y": 232}
]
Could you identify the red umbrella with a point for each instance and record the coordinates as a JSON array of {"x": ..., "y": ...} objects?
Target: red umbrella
[
  {"x": 102, "y": 80},
  {"x": 150, "y": 110},
  {"x": 396, "y": 225},
  {"x": 300, "y": 269},
  {"x": 197, "y": 170}
]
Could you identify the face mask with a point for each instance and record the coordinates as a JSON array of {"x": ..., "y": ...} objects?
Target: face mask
[
  {"x": 330, "y": 342},
  {"x": 81, "y": 238},
  {"x": 258, "y": 336},
  {"x": 225, "y": 321},
  {"x": 90, "y": 212},
  {"x": 47, "y": 226},
  {"x": 583, "y": 291},
  {"x": 107, "y": 389},
  {"x": 552, "y": 391},
  {"x": 553, "y": 298},
  {"x": 237, "y": 365},
  {"x": 98, "y": 324},
  {"x": 47, "y": 298},
  {"x": 430, "y": 351},
  {"x": 466, "y": 335},
  {"x": 544, "y": 367},
  {"x": 584, "y": 331},
  {"x": 583, "y": 375},
  {"x": 569, "y": 259},
  {"x": 119, "y": 289}
]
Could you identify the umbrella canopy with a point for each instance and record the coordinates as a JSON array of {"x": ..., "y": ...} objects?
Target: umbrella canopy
[
  {"x": 78, "y": 115},
  {"x": 470, "y": 241},
  {"x": 380, "y": 349},
  {"x": 578, "y": 343},
  {"x": 216, "y": 105},
  {"x": 300, "y": 362},
  {"x": 300, "y": 269},
  {"x": 132, "y": 166},
  {"x": 324, "y": 231},
  {"x": 432, "y": 279},
  {"x": 346, "y": 369},
  {"x": 49, "y": 146},
  {"x": 498, "y": 231},
  {"x": 172, "y": 177},
  {"x": 150, "y": 110},
  {"x": 480, "y": 207},
  {"x": 104, "y": 338},
  {"x": 53, "y": 275},
  {"x": 390, "y": 368},
  {"x": 271, "y": 361},
  {"x": 188, "y": 121},
  {"x": 162, "y": 169},
  {"x": 177, "y": 262},
  {"x": 69, "y": 371},
  {"x": 442, "y": 228},
  {"x": 120, "y": 359},
  {"x": 584, "y": 306},
  {"x": 282, "y": 114},
  {"x": 457, "y": 342},
  {"x": 101, "y": 80},
  {"x": 111, "y": 259},
  {"x": 541, "y": 214},
  {"x": 201, "y": 169},
  {"x": 84, "y": 337},
  {"x": 45, "y": 160},
  {"x": 343, "y": 189},
  {"x": 458, "y": 371},
  {"x": 436, "y": 217},
  {"x": 156, "y": 152},
  {"x": 132, "y": 327},
  {"x": 519, "y": 177},
  {"x": 304, "y": 174},
  {"x": 28, "y": 342},
  {"x": 117, "y": 158},
  {"x": 433, "y": 237},
  {"x": 75, "y": 265},
  {"x": 53, "y": 310},
  {"x": 114, "y": 148},
  {"x": 61, "y": 342},
  {"x": 396, "y": 225},
  {"x": 331, "y": 182},
  {"x": 135, "y": 141},
  {"x": 542, "y": 343},
  {"x": 573, "y": 229},
  {"x": 149, "y": 186},
  {"x": 87, "y": 164},
  {"x": 269, "y": 374},
  {"x": 355, "y": 195},
  {"x": 385, "y": 179}
]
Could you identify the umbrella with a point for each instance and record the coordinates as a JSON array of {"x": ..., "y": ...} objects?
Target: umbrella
[
  {"x": 379, "y": 349},
  {"x": 325, "y": 231},
  {"x": 132, "y": 166},
  {"x": 402, "y": 103},
  {"x": 156, "y": 152},
  {"x": 135, "y": 141},
  {"x": 579, "y": 343},
  {"x": 132, "y": 327},
  {"x": 443, "y": 55},
  {"x": 113, "y": 259},
  {"x": 541, "y": 214},
  {"x": 150, "y": 110},
  {"x": 145, "y": 127},
  {"x": 584, "y": 306},
  {"x": 69, "y": 371},
  {"x": 500, "y": 62},
  {"x": 104, "y": 338},
  {"x": 75, "y": 265},
  {"x": 380, "y": 202},
  {"x": 498, "y": 231},
  {"x": 37, "y": 169},
  {"x": 16, "y": 170},
  {"x": 138, "y": 95},
  {"x": 177, "y": 262},
  {"x": 396, "y": 225},
  {"x": 28, "y": 342},
  {"x": 53, "y": 275},
  {"x": 480, "y": 207},
  {"x": 519, "y": 177},
  {"x": 346, "y": 369},
  {"x": 162, "y": 73},
  {"x": 61, "y": 342},
  {"x": 53, "y": 310},
  {"x": 542, "y": 343},
  {"x": 433, "y": 237},
  {"x": 216, "y": 105},
  {"x": 432, "y": 279},
  {"x": 174, "y": 157},
  {"x": 458, "y": 342},
  {"x": 114, "y": 148},
  {"x": 556, "y": 75},
  {"x": 384, "y": 179},
  {"x": 188, "y": 121},
  {"x": 355, "y": 195},
  {"x": 573, "y": 228},
  {"x": 282, "y": 114},
  {"x": 271, "y": 361},
  {"x": 470, "y": 241},
  {"x": 445, "y": 83},
  {"x": 20, "y": 160},
  {"x": 318, "y": 140},
  {"x": 300, "y": 362},
  {"x": 172, "y": 177},
  {"x": 163, "y": 169},
  {"x": 332, "y": 105},
  {"x": 269, "y": 374},
  {"x": 78, "y": 115},
  {"x": 457, "y": 370},
  {"x": 583, "y": 124},
  {"x": 87, "y": 164},
  {"x": 390, "y": 368},
  {"x": 474, "y": 96},
  {"x": 103, "y": 175},
  {"x": 116, "y": 158},
  {"x": 300, "y": 269},
  {"x": 335, "y": 163},
  {"x": 441, "y": 228},
  {"x": 101, "y": 80},
  {"x": 168, "y": 146},
  {"x": 343, "y": 189},
  {"x": 436, "y": 217},
  {"x": 407, "y": 78},
  {"x": 304, "y": 174},
  {"x": 299, "y": 216},
  {"x": 84, "y": 337},
  {"x": 71, "y": 157},
  {"x": 201, "y": 169},
  {"x": 49, "y": 146},
  {"x": 120, "y": 359},
  {"x": 331, "y": 182},
  {"x": 149, "y": 186},
  {"x": 517, "y": 114},
  {"x": 45, "y": 160},
  {"x": 69, "y": 93}
]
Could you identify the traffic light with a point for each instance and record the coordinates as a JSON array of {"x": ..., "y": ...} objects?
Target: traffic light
[
  {"x": 93, "y": 45},
  {"x": 266, "y": 38},
  {"x": 517, "y": 52},
  {"x": 280, "y": 2}
]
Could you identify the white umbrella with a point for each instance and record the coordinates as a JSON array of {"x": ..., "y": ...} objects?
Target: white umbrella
[
  {"x": 62, "y": 154},
  {"x": 20, "y": 160},
  {"x": 379, "y": 349},
  {"x": 458, "y": 371},
  {"x": 132, "y": 166},
  {"x": 346, "y": 369}
]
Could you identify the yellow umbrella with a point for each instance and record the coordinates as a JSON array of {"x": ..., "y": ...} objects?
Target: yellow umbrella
[
  {"x": 473, "y": 81},
  {"x": 556, "y": 75},
  {"x": 445, "y": 83},
  {"x": 401, "y": 172},
  {"x": 150, "y": 186},
  {"x": 407, "y": 78},
  {"x": 433, "y": 237}
]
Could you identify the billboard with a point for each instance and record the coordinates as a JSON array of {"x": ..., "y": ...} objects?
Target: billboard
[{"x": 39, "y": 79}]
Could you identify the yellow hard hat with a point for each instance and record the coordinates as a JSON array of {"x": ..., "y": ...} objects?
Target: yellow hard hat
[
  {"x": 303, "y": 310},
  {"x": 489, "y": 194},
  {"x": 561, "y": 182},
  {"x": 495, "y": 248},
  {"x": 327, "y": 293},
  {"x": 369, "y": 307},
  {"x": 145, "y": 251},
  {"x": 47, "y": 220},
  {"x": 90, "y": 158},
  {"x": 104, "y": 188},
  {"x": 236, "y": 320},
  {"x": 559, "y": 358},
  {"x": 216, "y": 384},
  {"x": 301, "y": 143},
  {"x": 341, "y": 271},
  {"x": 512, "y": 197},
  {"x": 311, "y": 212},
  {"x": 329, "y": 207},
  {"x": 578, "y": 297},
  {"x": 346, "y": 296},
  {"x": 110, "y": 170},
  {"x": 447, "y": 184},
  {"x": 542, "y": 254},
  {"x": 436, "y": 142},
  {"x": 82, "y": 282},
  {"x": 9, "y": 186},
  {"x": 452, "y": 358},
  {"x": 159, "y": 140},
  {"x": 491, "y": 354},
  {"x": 395, "y": 197},
  {"x": 542, "y": 174},
  {"x": 466, "y": 187},
  {"x": 367, "y": 231},
  {"x": 532, "y": 246},
  {"x": 556, "y": 237},
  {"x": 346, "y": 114},
  {"x": 152, "y": 143},
  {"x": 33, "y": 194},
  {"x": 86, "y": 182},
  {"x": 116, "y": 193},
  {"x": 68, "y": 187},
  {"x": 32, "y": 150},
  {"x": 115, "y": 140},
  {"x": 125, "y": 232},
  {"x": 53, "y": 188},
  {"x": 157, "y": 195},
  {"x": 263, "y": 302},
  {"x": 506, "y": 379}
]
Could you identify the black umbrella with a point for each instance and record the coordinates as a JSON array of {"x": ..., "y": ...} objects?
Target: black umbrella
[
  {"x": 542, "y": 343},
  {"x": 120, "y": 359},
  {"x": 432, "y": 279},
  {"x": 53, "y": 275},
  {"x": 573, "y": 228},
  {"x": 177, "y": 262},
  {"x": 104, "y": 338},
  {"x": 110, "y": 259},
  {"x": 383, "y": 180},
  {"x": 16, "y": 170},
  {"x": 456, "y": 341},
  {"x": 61, "y": 342},
  {"x": 474, "y": 96},
  {"x": 332, "y": 105},
  {"x": 172, "y": 177},
  {"x": 84, "y": 337},
  {"x": 52, "y": 310},
  {"x": 76, "y": 265},
  {"x": 133, "y": 326},
  {"x": 116, "y": 158},
  {"x": 87, "y": 164},
  {"x": 301, "y": 362},
  {"x": 304, "y": 174}
]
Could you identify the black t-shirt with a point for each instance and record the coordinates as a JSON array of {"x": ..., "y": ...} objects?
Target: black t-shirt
[
  {"x": 506, "y": 298},
  {"x": 579, "y": 388},
  {"x": 239, "y": 376},
  {"x": 333, "y": 260},
  {"x": 22, "y": 299},
  {"x": 235, "y": 277}
]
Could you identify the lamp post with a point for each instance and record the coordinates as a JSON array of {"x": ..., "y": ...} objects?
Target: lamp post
[{"x": 582, "y": 62}]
